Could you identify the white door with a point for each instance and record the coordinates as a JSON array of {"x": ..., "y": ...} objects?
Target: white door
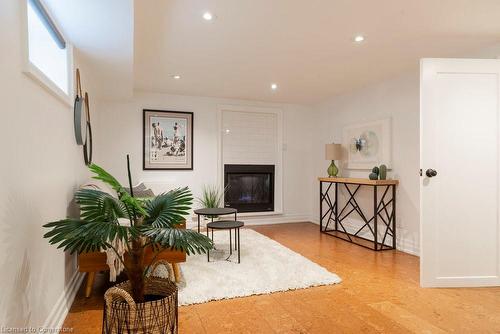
[{"x": 460, "y": 151}]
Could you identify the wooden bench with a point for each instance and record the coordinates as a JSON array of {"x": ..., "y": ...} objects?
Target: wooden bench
[{"x": 91, "y": 263}]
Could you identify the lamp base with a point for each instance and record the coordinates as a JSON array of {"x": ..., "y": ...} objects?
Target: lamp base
[{"x": 332, "y": 170}]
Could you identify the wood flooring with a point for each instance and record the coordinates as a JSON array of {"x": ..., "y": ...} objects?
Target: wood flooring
[{"x": 379, "y": 294}]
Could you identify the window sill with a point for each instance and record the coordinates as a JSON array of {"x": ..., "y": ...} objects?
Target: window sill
[{"x": 34, "y": 73}]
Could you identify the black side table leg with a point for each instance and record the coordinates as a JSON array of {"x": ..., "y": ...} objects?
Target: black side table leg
[
  {"x": 231, "y": 242},
  {"x": 198, "y": 223},
  {"x": 208, "y": 251},
  {"x": 238, "y": 245}
]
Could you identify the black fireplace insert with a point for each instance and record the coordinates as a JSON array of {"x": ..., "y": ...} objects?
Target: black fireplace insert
[{"x": 250, "y": 188}]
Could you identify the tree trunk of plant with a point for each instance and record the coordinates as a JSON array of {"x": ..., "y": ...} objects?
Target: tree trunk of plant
[
  {"x": 135, "y": 266},
  {"x": 135, "y": 269}
]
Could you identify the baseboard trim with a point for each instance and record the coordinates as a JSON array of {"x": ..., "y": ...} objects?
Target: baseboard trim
[
  {"x": 263, "y": 220},
  {"x": 404, "y": 245},
  {"x": 60, "y": 310}
]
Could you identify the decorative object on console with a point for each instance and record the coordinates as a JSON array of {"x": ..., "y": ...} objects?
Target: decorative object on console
[
  {"x": 333, "y": 152},
  {"x": 167, "y": 140},
  {"x": 79, "y": 110},
  {"x": 368, "y": 144},
  {"x": 374, "y": 174},
  {"x": 152, "y": 221},
  {"x": 383, "y": 172}
]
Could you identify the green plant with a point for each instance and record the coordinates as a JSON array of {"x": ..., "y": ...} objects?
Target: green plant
[
  {"x": 212, "y": 196},
  {"x": 152, "y": 222},
  {"x": 383, "y": 172}
]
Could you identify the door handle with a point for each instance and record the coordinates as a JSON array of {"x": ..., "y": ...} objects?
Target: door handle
[{"x": 431, "y": 172}]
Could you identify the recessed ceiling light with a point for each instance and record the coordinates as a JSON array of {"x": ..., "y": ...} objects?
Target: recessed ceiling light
[
  {"x": 359, "y": 38},
  {"x": 208, "y": 16},
  {"x": 176, "y": 77},
  {"x": 274, "y": 86}
]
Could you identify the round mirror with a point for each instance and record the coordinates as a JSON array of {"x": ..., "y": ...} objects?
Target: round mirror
[
  {"x": 80, "y": 120},
  {"x": 87, "y": 147}
]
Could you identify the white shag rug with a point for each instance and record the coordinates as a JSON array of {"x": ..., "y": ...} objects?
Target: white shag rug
[{"x": 266, "y": 266}]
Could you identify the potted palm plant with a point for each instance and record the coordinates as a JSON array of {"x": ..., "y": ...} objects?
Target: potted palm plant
[{"x": 142, "y": 304}]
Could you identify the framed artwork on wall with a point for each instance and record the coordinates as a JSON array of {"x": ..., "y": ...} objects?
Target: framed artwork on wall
[
  {"x": 167, "y": 140},
  {"x": 368, "y": 144}
]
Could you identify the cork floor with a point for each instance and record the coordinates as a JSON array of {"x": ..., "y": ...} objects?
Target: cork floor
[{"x": 379, "y": 294}]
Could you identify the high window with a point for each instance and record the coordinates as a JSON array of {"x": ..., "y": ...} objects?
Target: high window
[{"x": 49, "y": 55}]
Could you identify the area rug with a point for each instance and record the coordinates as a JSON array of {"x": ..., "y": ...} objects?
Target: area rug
[{"x": 266, "y": 266}]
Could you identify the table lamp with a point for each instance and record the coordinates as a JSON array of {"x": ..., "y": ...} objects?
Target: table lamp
[{"x": 333, "y": 152}]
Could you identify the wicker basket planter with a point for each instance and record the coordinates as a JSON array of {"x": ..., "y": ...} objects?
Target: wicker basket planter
[{"x": 123, "y": 315}]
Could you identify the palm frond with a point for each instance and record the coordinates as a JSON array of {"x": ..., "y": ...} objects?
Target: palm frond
[
  {"x": 134, "y": 205},
  {"x": 82, "y": 236},
  {"x": 188, "y": 241},
  {"x": 102, "y": 175},
  {"x": 168, "y": 209},
  {"x": 96, "y": 205}
]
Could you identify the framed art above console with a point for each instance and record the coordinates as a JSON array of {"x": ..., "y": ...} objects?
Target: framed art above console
[
  {"x": 368, "y": 144},
  {"x": 167, "y": 140}
]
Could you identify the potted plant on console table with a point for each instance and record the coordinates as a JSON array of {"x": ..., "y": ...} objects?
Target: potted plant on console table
[{"x": 142, "y": 304}]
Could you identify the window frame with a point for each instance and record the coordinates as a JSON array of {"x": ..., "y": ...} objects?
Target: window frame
[{"x": 33, "y": 72}]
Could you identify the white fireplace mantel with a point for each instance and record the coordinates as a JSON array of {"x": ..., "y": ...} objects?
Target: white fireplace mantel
[{"x": 252, "y": 135}]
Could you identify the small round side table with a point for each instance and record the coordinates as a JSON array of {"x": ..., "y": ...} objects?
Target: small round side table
[
  {"x": 212, "y": 212},
  {"x": 227, "y": 225}
]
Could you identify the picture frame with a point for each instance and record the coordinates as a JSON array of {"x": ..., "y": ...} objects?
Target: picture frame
[
  {"x": 368, "y": 144},
  {"x": 167, "y": 140}
]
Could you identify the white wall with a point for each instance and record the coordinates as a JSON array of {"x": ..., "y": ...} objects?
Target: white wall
[
  {"x": 398, "y": 99},
  {"x": 41, "y": 166},
  {"x": 120, "y": 132}
]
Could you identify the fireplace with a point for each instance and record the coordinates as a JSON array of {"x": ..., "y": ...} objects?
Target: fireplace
[{"x": 250, "y": 188}]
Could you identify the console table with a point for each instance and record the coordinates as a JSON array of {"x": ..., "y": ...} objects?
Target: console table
[{"x": 380, "y": 225}]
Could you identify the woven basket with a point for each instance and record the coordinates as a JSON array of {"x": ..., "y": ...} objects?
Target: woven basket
[{"x": 123, "y": 315}]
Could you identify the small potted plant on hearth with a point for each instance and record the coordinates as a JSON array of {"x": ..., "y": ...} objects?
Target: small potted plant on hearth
[
  {"x": 212, "y": 196},
  {"x": 143, "y": 304}
]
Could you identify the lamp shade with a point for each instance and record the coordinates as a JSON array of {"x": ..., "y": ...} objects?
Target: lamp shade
[{"x": 333, "y": 151}]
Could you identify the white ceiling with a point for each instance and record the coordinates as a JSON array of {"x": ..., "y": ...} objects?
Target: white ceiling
[{"x": 303, "y": 45}]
